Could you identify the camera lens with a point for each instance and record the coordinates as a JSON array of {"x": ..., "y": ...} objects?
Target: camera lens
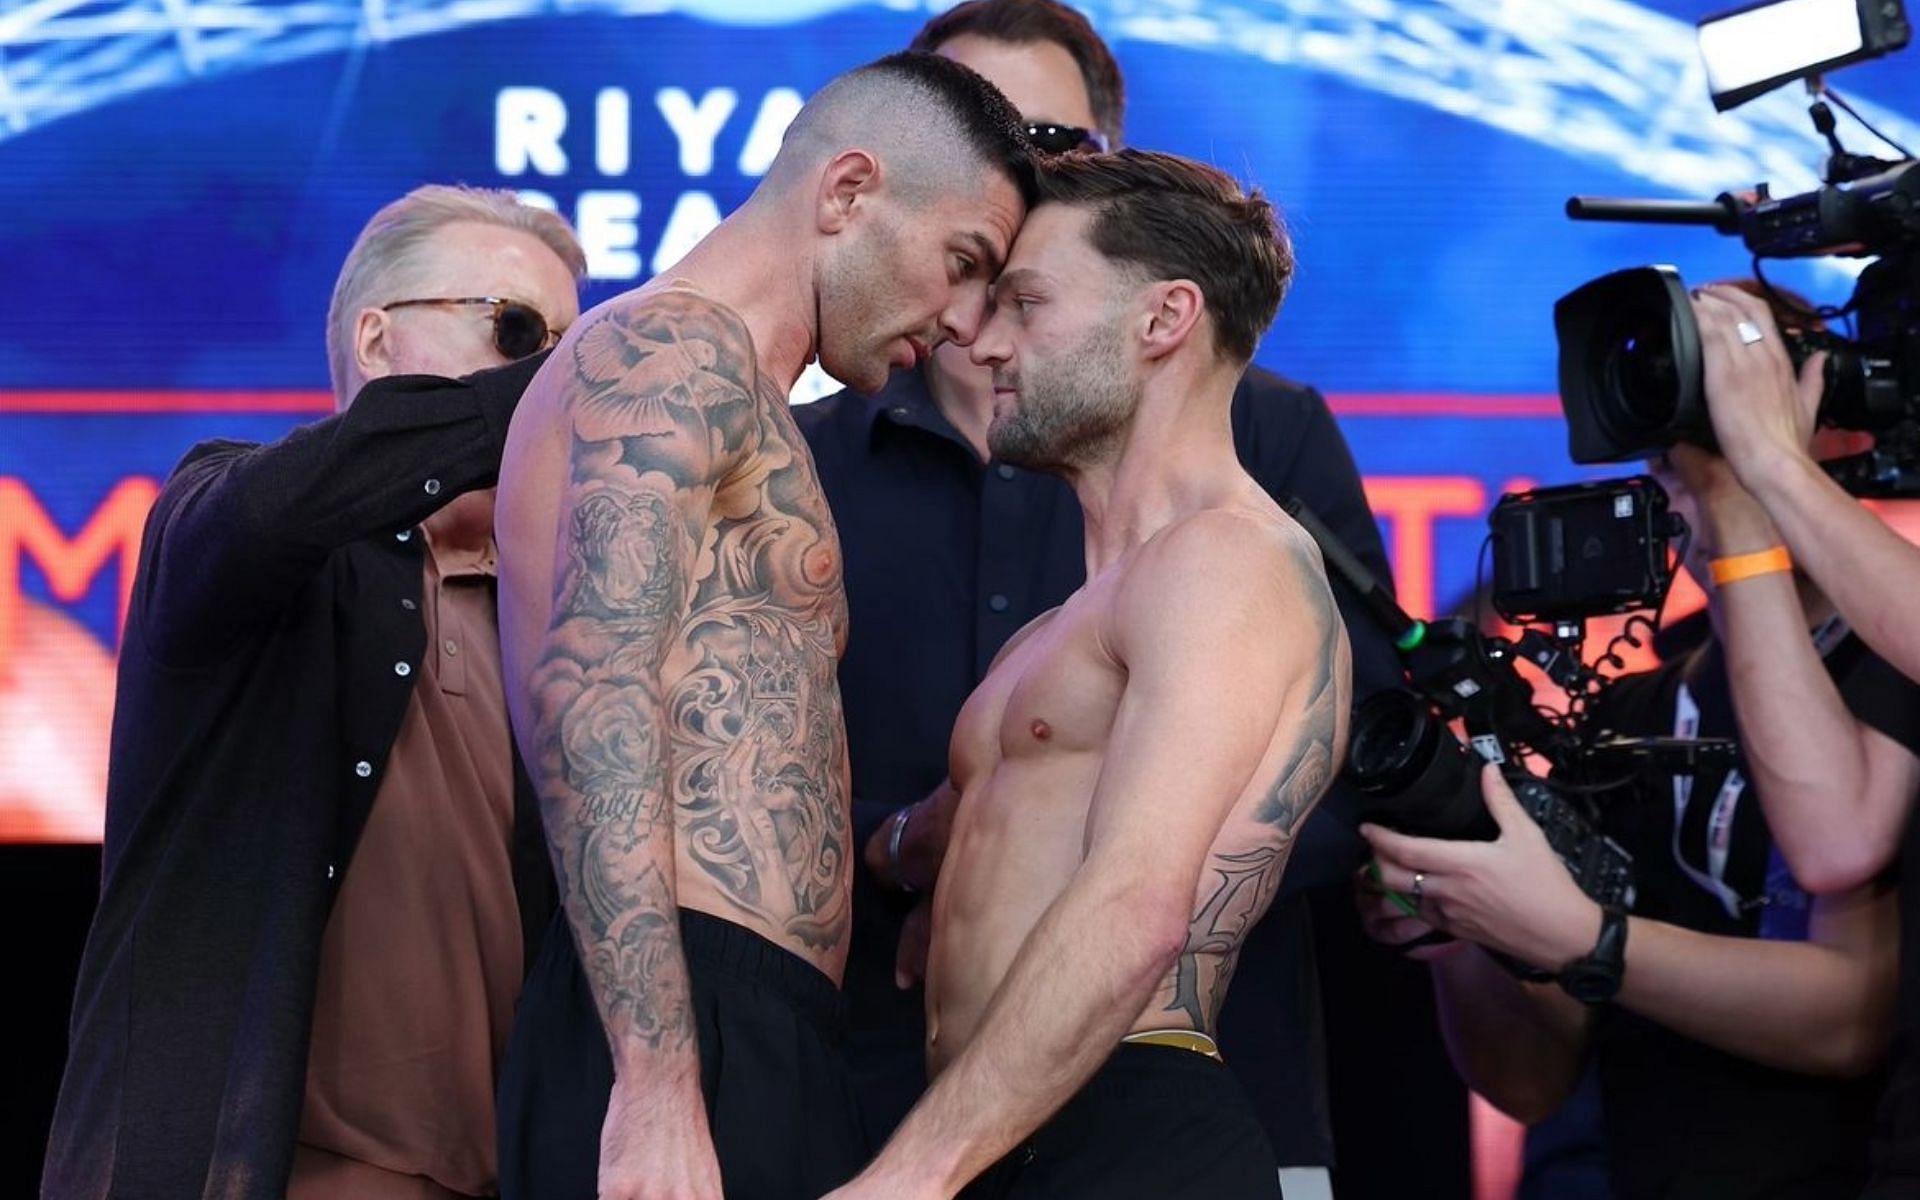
[
  {"x": 1421, "y": 779},
  {"x": 1385, "y": 740},
  {"x": 1637, "y": 364}
]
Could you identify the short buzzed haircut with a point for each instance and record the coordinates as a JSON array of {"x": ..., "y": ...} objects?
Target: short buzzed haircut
[
  {"x": 919, "y": 103},
  {"x": 1024, "y": 22},
  {"x": 1168, "y": 217}
]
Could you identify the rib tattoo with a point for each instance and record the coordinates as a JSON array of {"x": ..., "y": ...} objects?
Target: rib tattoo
[{"x": 1247, "y": 879}]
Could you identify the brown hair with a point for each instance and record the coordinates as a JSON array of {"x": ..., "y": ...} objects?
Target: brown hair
[
  {"x": 1173, "y": 218},
  {"x": 1023, "y": 22}
]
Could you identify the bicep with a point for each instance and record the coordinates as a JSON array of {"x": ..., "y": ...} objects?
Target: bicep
[
  {"x": 1216, "y": 708},
  {"x": 1182, "y": 751}
]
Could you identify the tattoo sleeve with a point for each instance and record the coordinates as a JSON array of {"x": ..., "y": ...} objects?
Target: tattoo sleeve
[{"x": 660, "y": 402}]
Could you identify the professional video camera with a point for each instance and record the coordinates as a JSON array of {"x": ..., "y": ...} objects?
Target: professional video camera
[
  {"x": 1560, "y": 555},
  {"x": 1630, "y": 354}
]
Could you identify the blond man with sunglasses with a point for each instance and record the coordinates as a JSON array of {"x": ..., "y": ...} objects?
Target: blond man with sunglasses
[{"x": 321, "y": 871}]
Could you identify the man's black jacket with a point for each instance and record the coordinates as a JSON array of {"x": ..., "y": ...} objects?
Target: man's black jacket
[{"x": 270, "y": 649}]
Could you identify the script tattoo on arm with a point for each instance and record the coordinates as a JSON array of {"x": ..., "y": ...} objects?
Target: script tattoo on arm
[
  {"x": 660, "y": 403},
  {"x": 1247, "y": 879}
]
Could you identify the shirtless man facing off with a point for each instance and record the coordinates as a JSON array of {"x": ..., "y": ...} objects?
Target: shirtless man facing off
[
  {"x": 671, "y": 616},
  {"x": 1133, "y": 768}
]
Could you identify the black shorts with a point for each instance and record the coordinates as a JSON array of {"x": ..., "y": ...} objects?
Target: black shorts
[
  {"x": 1155, "y": 1121},
  {"x": 780, "y": 1105}
]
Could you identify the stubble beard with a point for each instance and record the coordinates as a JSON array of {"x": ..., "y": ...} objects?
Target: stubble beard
[
  {"x": 1070, "y": 412},
  {"x": 855, "y": 310}
]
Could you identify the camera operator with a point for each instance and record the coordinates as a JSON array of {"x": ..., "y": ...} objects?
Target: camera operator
[
  {"x": 1736, "y": 1058},
  {"x": 1839, "y": 801}
]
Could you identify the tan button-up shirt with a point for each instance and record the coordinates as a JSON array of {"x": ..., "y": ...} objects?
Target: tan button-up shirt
[{"x": 421, "y": 962}]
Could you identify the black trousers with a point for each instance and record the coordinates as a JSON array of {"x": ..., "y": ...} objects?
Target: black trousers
[
  {"x": 785, "y": 1123},
  {"x": 1154, "y": 1122}
]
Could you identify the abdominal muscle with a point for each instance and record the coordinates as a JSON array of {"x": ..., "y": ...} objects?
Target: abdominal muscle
[{"x": 1019, "y": 836}]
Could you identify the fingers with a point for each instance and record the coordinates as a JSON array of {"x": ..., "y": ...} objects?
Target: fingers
[
  {"x": 1812, "y": 383},
  {"x": 1502, "y": 803},
  {"x": 1412, "y": 854}
]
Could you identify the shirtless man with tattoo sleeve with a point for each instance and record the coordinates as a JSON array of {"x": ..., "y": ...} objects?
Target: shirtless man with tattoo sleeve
[
  {"x": 1134, "y": 767},
  {"x": 672, "y": 616}
]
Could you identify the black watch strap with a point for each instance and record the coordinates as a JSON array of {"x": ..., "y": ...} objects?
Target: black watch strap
[{"x": 1595, "y": 979}]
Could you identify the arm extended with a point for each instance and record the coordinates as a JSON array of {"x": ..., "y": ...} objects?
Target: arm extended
[
  {"x": 239, "y": 527},
  {"x": 1820, "y": 1006}
]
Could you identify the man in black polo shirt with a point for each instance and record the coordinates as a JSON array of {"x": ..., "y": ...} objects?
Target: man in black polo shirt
[
  {"x": 322, "y": 871},
  {"x": 948, "y": 553}
]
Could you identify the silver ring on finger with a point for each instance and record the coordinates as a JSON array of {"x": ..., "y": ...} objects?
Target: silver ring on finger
[
  {"x": 1749, "y": 333},
  {"x": 1419, "y": 885}
]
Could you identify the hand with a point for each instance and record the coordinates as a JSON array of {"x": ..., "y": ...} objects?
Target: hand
[
  {"x": 1735, "y": 522},
  {"x": 1762, "y": 415},
  {"x": 1386, "y": 922},
  {"x": 650, "y": 1151},
  {"x": 916, "y": 935},
  {"x": 923, "y": 844},
  {"x": 1511, "y": 894}
]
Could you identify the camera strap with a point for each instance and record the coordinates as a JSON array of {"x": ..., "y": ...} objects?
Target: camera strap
[{"x": 1686, "y": 724}]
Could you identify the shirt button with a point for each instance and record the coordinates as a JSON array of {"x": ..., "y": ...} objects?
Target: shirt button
[
  {"x": 451, "y": 646},
  {"x": 998, "y": 603},
  {"x": 363, "y": 769},
  {"x": 1004, "y": 471},
  {"x": 902, "y": 412},
  {"x": 330, "y": 871},
  {"x": 408, "y": 605},
  {"x": 433, "y": 487},
  {"x": 405, "y": 535},
  {"x": 402, "y": 669}
]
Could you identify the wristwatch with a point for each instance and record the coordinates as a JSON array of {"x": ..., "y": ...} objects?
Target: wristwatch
[{"x": 1595, "y": 978}]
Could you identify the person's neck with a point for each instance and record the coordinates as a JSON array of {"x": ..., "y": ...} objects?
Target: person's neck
[
  {"x": 773, "y": 294},
  {"x": 1175, "y": 458},
  {"x": 963, "y": 392}
]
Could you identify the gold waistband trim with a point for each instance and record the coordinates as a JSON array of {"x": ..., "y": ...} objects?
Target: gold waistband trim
[{"x": 1179, "y": 1039}]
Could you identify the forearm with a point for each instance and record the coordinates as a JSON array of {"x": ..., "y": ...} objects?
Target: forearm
[
  {"x": 1078, "y": 983},
  {"x": 1805, "y": 751},
  {"x": 613, "y": 849},
  {"x": 1797, "y": 1006},
  {"x": 239, "y": 527},
  {"x": 1519, "y": 1045},
  {"x": 365, "y": 471},
  {"x": 1869, "y": 571}
]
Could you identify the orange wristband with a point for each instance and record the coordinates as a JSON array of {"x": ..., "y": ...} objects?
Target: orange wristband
[{"x": 1745, "y": 566}]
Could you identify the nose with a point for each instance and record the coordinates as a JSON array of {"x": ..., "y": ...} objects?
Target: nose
[
  {"x": 960, "y": 322},
  {"x": 994, "y": 345}
]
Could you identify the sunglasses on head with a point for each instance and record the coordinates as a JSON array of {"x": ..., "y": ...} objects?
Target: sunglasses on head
[
  {"x": 1049, "y": 137},
  {"x": 518, "y": 329}
]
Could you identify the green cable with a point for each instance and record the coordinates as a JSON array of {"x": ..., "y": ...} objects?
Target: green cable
[{"x": 1402, "y": 902}]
